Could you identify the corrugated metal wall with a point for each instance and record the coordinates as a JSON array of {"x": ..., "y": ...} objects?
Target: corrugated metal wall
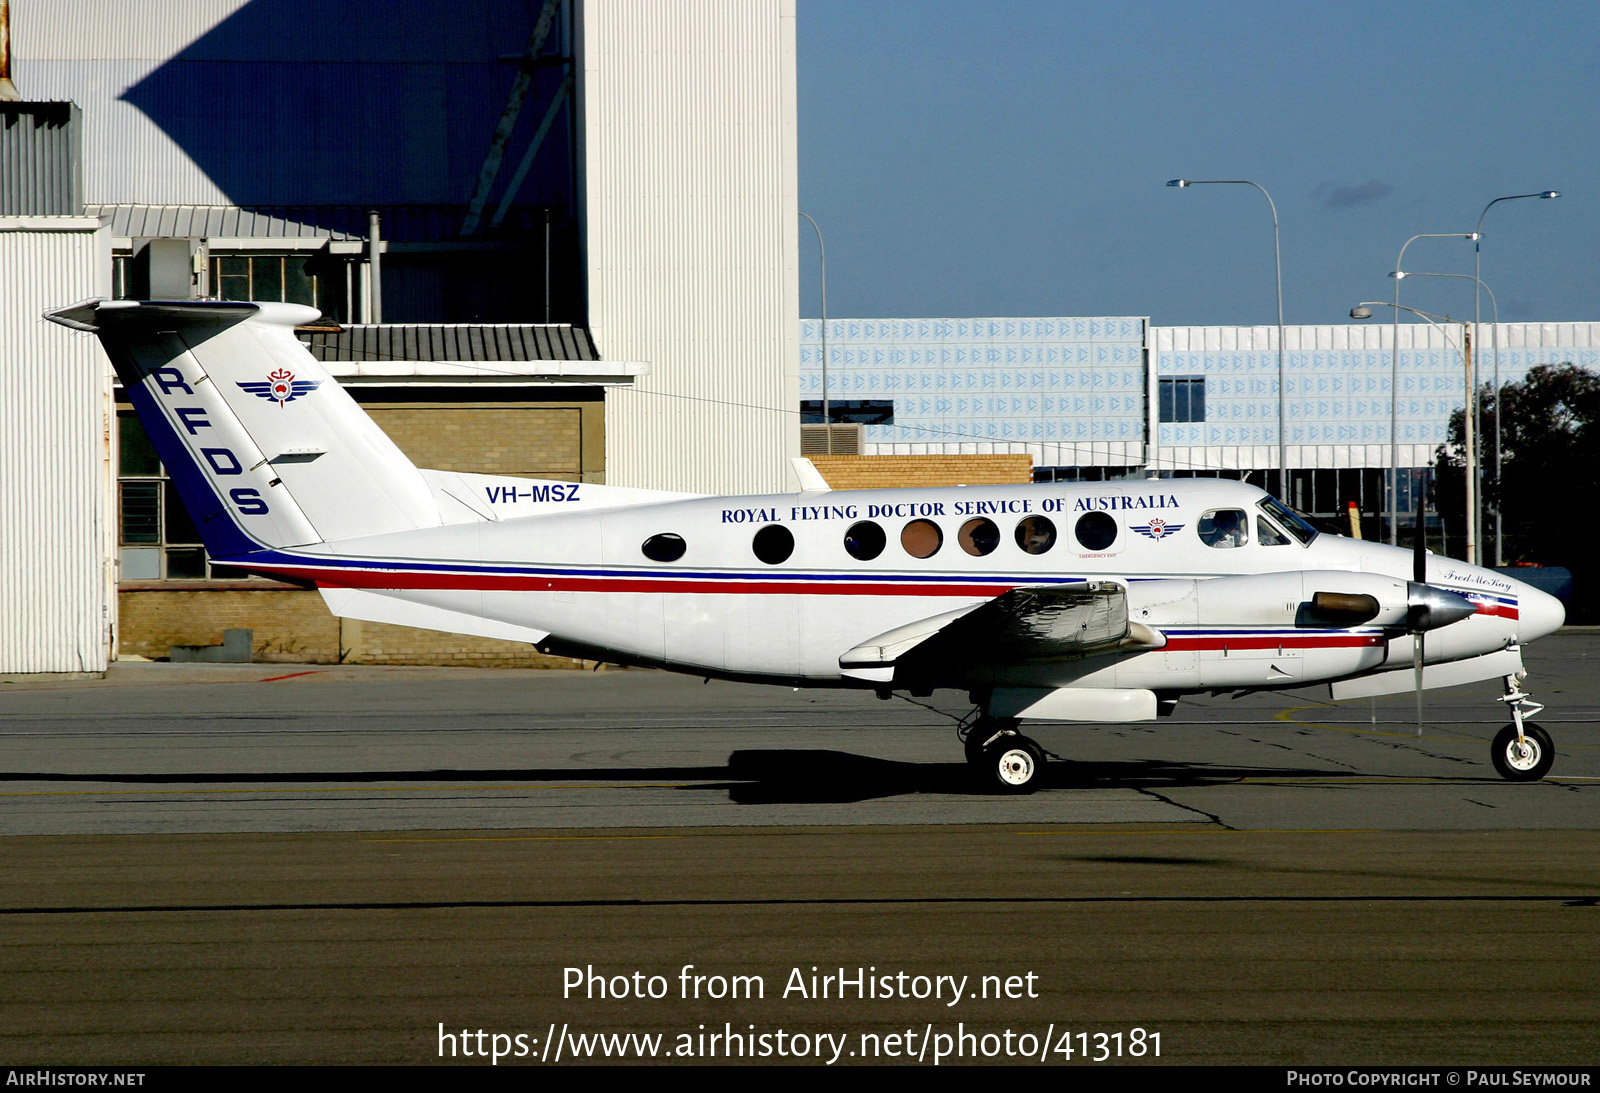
[
  {"x": 56, "y": 593},
  {"x": 690, "y": 175},
  {"x": 279, "y": 102},
  {"x": 41, "y": 157}
]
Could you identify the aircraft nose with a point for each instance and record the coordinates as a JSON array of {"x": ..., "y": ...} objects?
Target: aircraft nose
[{"x": 1538, "y": 614}]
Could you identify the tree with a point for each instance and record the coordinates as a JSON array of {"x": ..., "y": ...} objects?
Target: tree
[{"x": 1549, "y": 489}]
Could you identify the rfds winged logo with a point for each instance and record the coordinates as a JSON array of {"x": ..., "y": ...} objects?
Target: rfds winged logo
[
  {"x": 1157, "y": 528},
  {"x": 281, "y": 387}
]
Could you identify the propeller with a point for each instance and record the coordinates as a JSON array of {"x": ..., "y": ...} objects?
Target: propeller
[
  {"x": 1428, "y": 606},
  {"x": 1418, "y": 614}
]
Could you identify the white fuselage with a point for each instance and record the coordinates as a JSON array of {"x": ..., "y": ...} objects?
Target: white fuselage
[{"x": 582, "y": 577}]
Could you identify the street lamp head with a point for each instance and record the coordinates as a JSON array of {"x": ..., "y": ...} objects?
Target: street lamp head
[
  {"x": 1182, "y": 182},
  {"x": 1398, "y": 274},
  {"x": 1547, "y": 193},
  {"x": 1361, "y": 313}
]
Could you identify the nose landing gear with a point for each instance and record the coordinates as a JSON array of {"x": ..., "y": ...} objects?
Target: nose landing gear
[{"x": 1521, "y": 752}]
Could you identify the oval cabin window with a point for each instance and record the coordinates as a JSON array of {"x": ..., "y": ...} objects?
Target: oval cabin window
[
  {"x": 773, "y": 544},
  {"x": 1036, "y": 534},
  {"x": 1095, "y": 530},
  {"x": 865, "y": 541},
  {"x": 665, "y": 547},
  {"x": 979, "y": 537},
  {"x": 921, "y": 538}
]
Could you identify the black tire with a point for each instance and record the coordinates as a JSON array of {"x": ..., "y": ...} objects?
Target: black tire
[
  {"x": 1516, "y": 765},
  {"x": 1015, "y": 764}
]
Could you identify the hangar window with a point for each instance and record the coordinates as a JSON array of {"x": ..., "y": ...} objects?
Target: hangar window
[
  {"x": 865, "y": 541},
  {"x": 156, "y": 539},
  {"x": 773, "y": 544},
  {"x": 1223, "y": 528},
  {"x": 921, "y": 538},
  {"x": 846, "y": 411},
  {"x": 1036, "y": 534},
  {"x": 979, "y": 537},
  {"x": 665, "y": 547},
  {"x": 1095, "y": 530},
  {"x": 1183, "y": 398}
]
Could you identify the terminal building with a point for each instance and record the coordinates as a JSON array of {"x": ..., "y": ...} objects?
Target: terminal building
[{"x": 1096, "y": 398}]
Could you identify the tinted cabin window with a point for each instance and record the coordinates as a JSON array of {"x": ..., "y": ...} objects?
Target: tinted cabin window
[
  {"x": 1096, "y": 530},
  {"x": 1223, "y": 528},
  {"x": 665, "y": 547},
  {"x": 865, "y": 541},
  {"x": 773, "y": 544},
  {"x": 921, "y": 538},
  {"x": 979, "y": 537},
  {"x": 1036, "y": 534}
]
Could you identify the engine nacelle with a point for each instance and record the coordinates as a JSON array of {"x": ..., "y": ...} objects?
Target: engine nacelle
[{"x": 1312, "y": 599}]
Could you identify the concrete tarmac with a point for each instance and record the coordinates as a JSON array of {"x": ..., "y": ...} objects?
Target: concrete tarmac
[{"x": 269, "y": 864}]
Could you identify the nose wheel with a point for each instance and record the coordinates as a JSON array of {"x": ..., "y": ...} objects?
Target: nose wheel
[
  {"x": 1521, "y": 752},
  {"x": 1005, "y": 759}
]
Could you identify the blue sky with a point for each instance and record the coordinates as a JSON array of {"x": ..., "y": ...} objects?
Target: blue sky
[{"x": 1010, "y": 157}]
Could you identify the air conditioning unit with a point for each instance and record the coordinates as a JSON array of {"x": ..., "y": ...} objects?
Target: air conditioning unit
[{"x": 836, "y": 439}]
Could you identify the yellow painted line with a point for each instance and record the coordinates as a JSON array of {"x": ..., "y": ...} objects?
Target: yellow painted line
[
  {"x": 526, "y": 839},
  {"x": 330, "y": 789},
  {"x": 1202, "y": 830}
]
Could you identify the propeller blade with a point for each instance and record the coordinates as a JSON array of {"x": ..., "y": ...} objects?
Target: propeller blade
[
  {"x": 1417, "y": 656},
  {"x": 1419, "y": 548}
]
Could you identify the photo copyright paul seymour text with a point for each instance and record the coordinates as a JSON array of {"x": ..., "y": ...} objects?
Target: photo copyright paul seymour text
[{"x": 1052, "y": 1042}]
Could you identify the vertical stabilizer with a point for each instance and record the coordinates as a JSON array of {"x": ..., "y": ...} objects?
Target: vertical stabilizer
[{"x": 264, "y": 447}]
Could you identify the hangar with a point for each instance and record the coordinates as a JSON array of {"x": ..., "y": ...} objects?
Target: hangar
[{"x": 539, "y": 230}]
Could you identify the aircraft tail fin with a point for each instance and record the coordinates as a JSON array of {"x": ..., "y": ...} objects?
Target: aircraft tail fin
[{"x": 265, "y": 448}]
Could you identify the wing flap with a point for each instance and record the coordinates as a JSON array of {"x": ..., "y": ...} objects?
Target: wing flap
[{"x": 1029, "y": 624}]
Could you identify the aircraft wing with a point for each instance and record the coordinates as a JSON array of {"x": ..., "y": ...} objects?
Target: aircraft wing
[{"x": 1030, "y": 624}]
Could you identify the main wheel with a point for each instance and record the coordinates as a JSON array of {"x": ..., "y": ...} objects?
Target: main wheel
[
  {"x": 1526, "y": 762},
  {"x": 1014, "y": 764}
]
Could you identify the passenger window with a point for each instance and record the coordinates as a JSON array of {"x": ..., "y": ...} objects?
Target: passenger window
[
  {"x": 773, "y": 544},
  {"x": 1223, "y": 528},
  {"x": 1036, "y": 534},
  {"x": 921, "y": 538},
  {"x": 1268, "y": 535},
  {"x": 1095, "y": 530},
  {"x": 665, "y": 547},
  {"x": 865, "y": 541},
  {"x": 979, "y": 537}
]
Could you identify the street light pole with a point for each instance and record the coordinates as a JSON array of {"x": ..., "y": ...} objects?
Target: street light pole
[
  {"x": 1277, "y": 262},
  {"x": 822, "y": 254},
  {"x": 1363, "y": 311},
  {"x": 1394, "y": 383},
  {"x": 1474, "y": 425},
  {"x": 1477, "y": 271}
]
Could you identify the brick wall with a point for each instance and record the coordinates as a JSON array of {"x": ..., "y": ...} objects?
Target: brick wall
[
  {"x": 871, "y": 472},
  {"x": 549, "y": 438}
]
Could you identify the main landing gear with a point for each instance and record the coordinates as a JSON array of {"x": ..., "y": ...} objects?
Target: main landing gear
[
  {"x": 1522, "y": 752},
  {"x": 1008, "y": 761}
]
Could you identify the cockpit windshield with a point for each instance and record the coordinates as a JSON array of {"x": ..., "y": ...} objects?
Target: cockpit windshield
[{"x": 1288, "y": 519}]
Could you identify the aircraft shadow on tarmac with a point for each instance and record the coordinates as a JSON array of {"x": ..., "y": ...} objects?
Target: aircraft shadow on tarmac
[{"x": 750, "y": 777}]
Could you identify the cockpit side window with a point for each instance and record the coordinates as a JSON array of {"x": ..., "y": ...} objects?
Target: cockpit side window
[
  {"x": 1223, "y": 528},
  {"x": 1268, "y": 535},
  {"x": 1288, "y": 519}
]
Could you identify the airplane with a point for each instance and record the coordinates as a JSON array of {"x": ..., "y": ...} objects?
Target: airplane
[{"x": 1050, "y": 603}]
